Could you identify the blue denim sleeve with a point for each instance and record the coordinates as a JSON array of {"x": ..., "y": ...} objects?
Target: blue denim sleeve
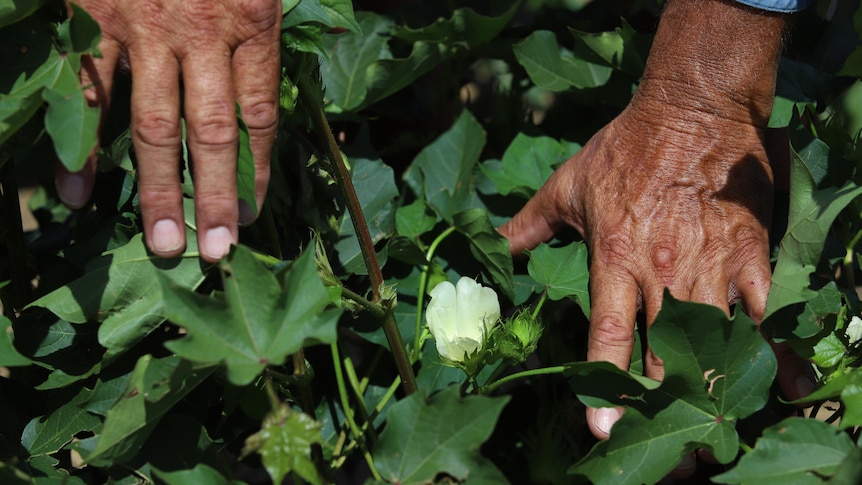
[{"x": 778, "y": 5}]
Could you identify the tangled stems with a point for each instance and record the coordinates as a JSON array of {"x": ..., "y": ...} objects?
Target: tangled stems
[{"x": 366, "y": 245}]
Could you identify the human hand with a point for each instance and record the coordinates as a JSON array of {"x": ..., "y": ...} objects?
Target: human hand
[
  {"x": 676, "y": 192},
  {"x": 224, "y": 51}
]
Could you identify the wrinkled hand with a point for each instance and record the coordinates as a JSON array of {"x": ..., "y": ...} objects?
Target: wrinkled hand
[
  {"x": 676, "y": 192},
  {"x": 221, "y": 52}
]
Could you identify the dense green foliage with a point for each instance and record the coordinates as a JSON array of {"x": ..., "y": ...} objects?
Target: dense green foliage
[{"x": 119, "y": 367}]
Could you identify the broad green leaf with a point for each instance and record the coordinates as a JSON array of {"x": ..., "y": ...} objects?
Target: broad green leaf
[
  {"x": 811, "y": 214},
  {"x": 199, "y": 474},
  {"x": 9, "y": 355},
  {"x": 527, "y": 164},
  {"x": 622, "y": 49},
  {"x": 848, "y": 387},
  {"x": 350, "y": 56},
  {"x": 329, "y": 13},
  {"x": 245, "y": 168},
  {"x": 405, "y": 249},
  {"x": 106, "y": 393},
  {"x": 44, "y": 470},
  {"x": 375, "y": 187},
  {"x": 121, "y": 289},
  {"x": 716, "y": 371},
  {"x": 12, "y": 11},
  {"x": 563, "y": 271},
  {"x": 853, "y": 64},
  {"x": 447, "y": 166},
  {"x": 154, "y": 387},
  {"x": 464, "y": 28},
  {"x": 414, "y": 219},
  {"x": 798, "y": 86},
  {"x": 441, "y": 435},
  {"x": 257, "y": 322},
  {"x": 554, "y": 68},
  {"x": 849, "y": 472},
  {"x": 284, "y": 443},
  {"x": 72, "y": 124},
  {"x": 47, "y": 434},
  {"x": 488, "y": 246},
  {"x": 80, "y": 33},
  {"x": 828, "y": 351},
  {"x": 794, "y": 451}
]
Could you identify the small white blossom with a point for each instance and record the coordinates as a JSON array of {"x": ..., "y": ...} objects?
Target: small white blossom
[
  {"x": 461, "y": 316},
  {"x": 854, "y": 330}
]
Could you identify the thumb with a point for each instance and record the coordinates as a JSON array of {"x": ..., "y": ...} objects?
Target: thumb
[{"x": 538, "y": 220}]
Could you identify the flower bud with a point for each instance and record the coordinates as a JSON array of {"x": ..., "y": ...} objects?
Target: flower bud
[{"x": 460, "y": 317}]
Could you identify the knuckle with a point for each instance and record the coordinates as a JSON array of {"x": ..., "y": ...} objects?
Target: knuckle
[
  {"x": 611, "y": 330},
  {"x": 664, "y": 253},
  {"x": 261, "y": 114},
  {"x": 215, "y": 130},
  {"x": 157, "y": 128},
  {"x": 613, "y": 248}
]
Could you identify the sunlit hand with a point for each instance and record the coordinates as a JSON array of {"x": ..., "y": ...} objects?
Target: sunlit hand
[
  {"x": 676, "y": 192},
  {"x": 220, "y": 52}
]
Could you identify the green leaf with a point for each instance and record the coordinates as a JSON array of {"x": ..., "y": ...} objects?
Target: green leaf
[
  {"x": 121, "y": 289},
  {"x": 829, "y": 351},
  {"x": 716, "y": 371},
  {"x": 563, "y": 271},
  {"x": 488, "y": 246},
  {"x": 80, "y": 33},
  {"x": 623, "y": 49},
  {"x": 329, "y": 13},
  {"x": 47, "y": 434},
  {"x": 414, "y": 219},
  {"x": 43, "y": 470},
  {"x": 441, "y": 435},
  {"x": 154, "y": 387},
  {"x": 527, "y": 164},
  {"x": 848, "y": 387},
  {"x": 9, "y": 355},
  {"x": 245, "y": 168},
  {"x": 466, "y": 28},
  {"x": 794, "y": 451},
  {"x": 375, "y": 187},
  {"x": 199, "y": 474},
  {"x": 554, "y": 68},
  {"x": 72, "y": 124},
  {"x": 811, "y": 214},
  {"x": 12, "y": 11},
  {"x": 852, "y": 64},
  {"x": 256, "y": 323},
  {"x": 849, "y": 472},
  {"x": 350, "y": 57},
  {"x": 284, "y": 443},
  {"x": 447, "y": 166}
]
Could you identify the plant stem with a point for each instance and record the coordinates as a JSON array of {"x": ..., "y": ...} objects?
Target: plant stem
[
  {"x": 348, "y": 412},
  {"x": 489, "y": 388},
  {"x": 744, "y": 447},
  {"x": 360, "y": 400},
  {"x": 375, "y": 308},
  {"x": 274, "y": 401},
  {"x": 366, "y": 245},
  {"x": 539, "y": 305},
  {"x": 423, "y": 287}
]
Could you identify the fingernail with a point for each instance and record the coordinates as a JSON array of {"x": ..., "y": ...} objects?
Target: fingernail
[
  {"x": 605, "y": 419},
  {"x": 166, "y": 236},
  {"x": 217, "y": 242},
  {"x": 688, "y": 462},
  {"x": 804, "y": 385},
  {"x": 246, "y": 215},
  {"x": 70, "y": 189}
]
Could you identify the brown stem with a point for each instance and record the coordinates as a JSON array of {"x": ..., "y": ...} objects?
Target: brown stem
[{"x": 354, "y": 208}]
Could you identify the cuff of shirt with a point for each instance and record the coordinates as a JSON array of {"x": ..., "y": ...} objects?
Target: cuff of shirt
[{"x": 785, "y": 6}]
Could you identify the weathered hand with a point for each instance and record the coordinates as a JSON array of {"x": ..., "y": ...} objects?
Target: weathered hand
[
  {"x": 224, "y": 51},
  {"x": 676, "y": 192}
]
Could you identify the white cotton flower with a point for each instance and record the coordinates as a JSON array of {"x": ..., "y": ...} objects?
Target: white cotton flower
[
  {"x": 461, "y": 316},
  {"x": 854, "y": 330}
]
